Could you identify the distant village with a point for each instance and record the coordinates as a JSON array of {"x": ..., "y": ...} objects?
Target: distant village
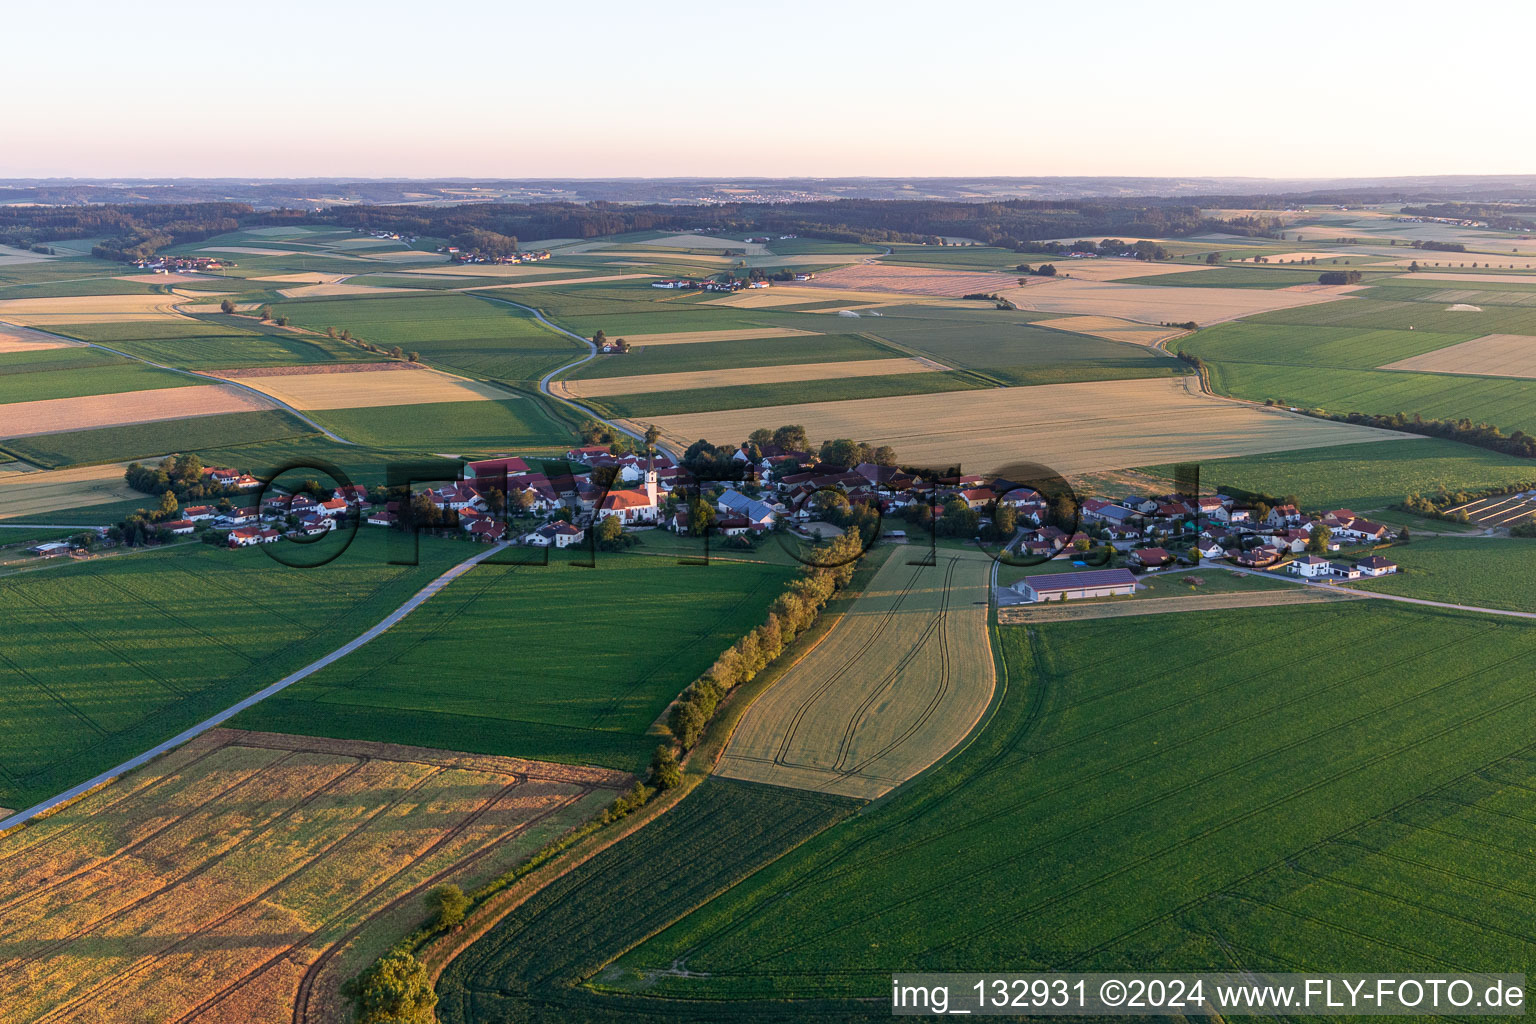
[{"x": 182, "y": 264}]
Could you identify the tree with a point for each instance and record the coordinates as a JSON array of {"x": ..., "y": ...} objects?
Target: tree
[
  {"x": 227, "y": 306},
  {"x": 169, "y": 506},
  {"x": 701, "y": 516},
  {"x": 450, "y": 905},
  {"x": 1402, "y": 536},
  {"x": 666, "y": 773},
  {"x": 608, "y": 532},
  {"x": 884, "y": 455},
  {"x": 599, "y": 339},
  {"x": 760, "y": 437},
  {"x": 1005, "y": 521},
  {"x": 266, "y": 312},
  {"x": 414, "y": 357},
  {"x": 330, "y": 332},
  {"x": 1212, "y": 258},
  {"x": 395, "y": 990},
  {"x": 1318, "y": 542},
  {"x": 791, "y": 438},
  {"x": 652, "y": 435}
]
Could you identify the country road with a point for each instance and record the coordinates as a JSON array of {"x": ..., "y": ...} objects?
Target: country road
[
  {"x": 1371, "y": 593},
  {"x": 414, "y": 602}
]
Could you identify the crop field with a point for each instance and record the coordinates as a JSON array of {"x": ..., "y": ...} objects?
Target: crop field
[
  {"x": 738, "y": 375},
  {"x": 1110, "y": 329},
  {"x": 84, "y": 309},
  {"x": 368, "y": 385},
  {"x": 1151, "y": 303},
  {"x": 38, "y": 493},
  {"x": 170, "y": 637},
  {"x": 1073, "y": 428},
  {"x": 1118, "y": 270},
  {"x": 899, "y": 682},
  {"x": 910, "y": 280},
  {"x": 160, "y": 437},
  {"x": 20, "y": 339},
  {"x": 493, "y": 663},
  {"x": 673, "y": 360},
  {"x": 621, "y": 895},
  {"x": 476, "y": 426},
  {"x": 695, "y": 337},
  {"x": 469, "y": 335},
  {"x": 1010, "y": 349},
  {"x": 231, "y": 881},
  {"x": 1159, "y": 800},
  {"x": 1365, "y": 477},
  {"x": 1495, "y": 355},
  {"x": 1484, "y": 572},
  {"x": 748, "y": 396},
  {"x": 27, "y": 419},
  {"x": 1498, "y": 510},
  {"x": 97, "y": 374}
]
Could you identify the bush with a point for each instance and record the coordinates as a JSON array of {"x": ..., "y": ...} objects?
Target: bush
[
  {"x": 450, "y": 905},
  {"x": 395, "y": 990},
  {"x": 666, "y": 773}
]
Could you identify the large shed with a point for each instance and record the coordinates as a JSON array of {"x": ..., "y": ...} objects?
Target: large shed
[{"x": 1065, "y": 586}]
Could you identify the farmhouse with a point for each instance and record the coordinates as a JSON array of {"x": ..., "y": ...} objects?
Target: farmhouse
[
  {"x": 559, "y": 535},
  {"x": 52, "y": 549},
  {"x": 179, "y": 527},
  {"x": 248, "y": 537},
  {"x": 1065, "y": 586}
]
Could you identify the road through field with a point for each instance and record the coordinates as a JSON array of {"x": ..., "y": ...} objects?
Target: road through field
[
  {"x": 416, "y": 600},
  {"x": 898, "y": 683}
]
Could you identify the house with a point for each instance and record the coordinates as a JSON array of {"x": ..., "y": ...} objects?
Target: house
[
  {"x": 456, "y": 498},
  {"x": 198, "y": 513},
  {"x": 179, "y": 527},
  {"x": 1208, "y": 548},
  {"x": 1259, "y": 557},
  {"x": 1107, "y": 513},
  {"x": 1283, "y": 515},
  {"x": 1151, "y": 558},
  {"x": 1311, "y": 567},
  {"x": 558, "y": 534},
  {"x": 379, "y": 517},
  {"x": 486, "y": 530},
  {"x": 753, "y": 510},
  {"x": 1376, "y": 566},
  {"x": 1067, "y": 586},
  {"x": 312, "y": 525},
  {"x": 332, "y": 509},
  {"x": 1344, "y": 570},
  {"x": 239, "y": 517},
  {"x": 1362, "y": 529},
  {"x": 977, "y": 497},
  {"x": 249, "y": 537}
]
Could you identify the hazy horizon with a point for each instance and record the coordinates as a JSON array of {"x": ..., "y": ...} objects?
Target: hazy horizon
[{"x": 380, "y": 90}]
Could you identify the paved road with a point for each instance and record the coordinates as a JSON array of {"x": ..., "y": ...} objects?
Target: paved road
[{"x": 419, "y": 598}]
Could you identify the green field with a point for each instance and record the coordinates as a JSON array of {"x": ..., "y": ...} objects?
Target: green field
[
  {"x": 556, "y": 662},
  {"x": 1484, "y": 572},
  {"x": 749, "y": 396},
  {"x": 17, "y": 384},
  {"x": 1240, "y": 277},
  {"x": 476, "y": 336},
  {"x": 102, "y": 659},
  {"x": 713, "y": 355},
  {"x": 721, "y": 833},
  {"x": 1125, "y": 807},
  {"x": 520, "y": 423},
  {"x": 1004, "y": 346},
  {"x": 144, "y": 440},
  {"x": 1364, "y": 476}
]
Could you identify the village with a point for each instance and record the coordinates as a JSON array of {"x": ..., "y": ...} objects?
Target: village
[{"x": 605, "y": 495}]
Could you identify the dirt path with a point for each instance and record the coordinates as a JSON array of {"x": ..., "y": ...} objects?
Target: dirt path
[{"x": 1070, "y": 612}]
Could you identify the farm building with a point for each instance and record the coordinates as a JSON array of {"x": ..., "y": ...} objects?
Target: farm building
[
  {"x": 1066, "y": 586},
  {"x": 52, "y": 549}
]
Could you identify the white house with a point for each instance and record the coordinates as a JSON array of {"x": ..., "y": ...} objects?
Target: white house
[
  {"x": 557, "y": 534},
  {"x": 1312, "y": 567},
  {"x": 1376, "y": 566}
]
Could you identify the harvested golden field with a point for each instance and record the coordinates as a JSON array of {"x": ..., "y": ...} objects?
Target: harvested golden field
[
  {"x": 1429, "y": 260},
  {"x": 19, "y": 339},
  {"x": 898, "y": 682},
  {"x": 368, "y": 388},
  {"x": 244, "y": 876},
  {"x": 309, "y": 277},
  {"x": 793, "y": 295},
  {"x": 598, "y": 386},
  {"x": 707, "y": 242},
  {"x": 27, "y": 419},
  {"x": 168, "y": 278},
  {"x": 1323, "y": 289},
  {"x": 214, "y": 307},
  {"x": 1494, "y": 355},
  {"x": 879, "y": 277},
  {"x": 89, "y": 309},
  {"x": 1153, "y": 304},
  {"x": 1297, "y": 257},
  {"x": 1073, "y": 428},
  {"x": 251, "y": 250},
  {"x": 1118, "y": 270},
  {"x": 1474, "y": 278},
  {"x": 1109, "y": 328},
  {"x": 38, "y": 493},
  {"x": 694, "y": 337}
]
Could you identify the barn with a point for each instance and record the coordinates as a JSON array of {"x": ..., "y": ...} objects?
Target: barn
[{"x": 1066, "y": 586}]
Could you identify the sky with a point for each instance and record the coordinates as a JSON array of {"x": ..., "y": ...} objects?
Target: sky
[{"x": 596, "y": 89}]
